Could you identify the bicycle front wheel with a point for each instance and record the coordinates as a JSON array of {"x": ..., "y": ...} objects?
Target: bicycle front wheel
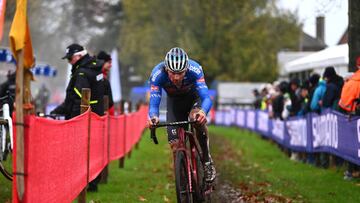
[
  {"x": 5, "y": 156},
  {"x": 199, "y": 182},
  {"x": 181, "y": 179}
]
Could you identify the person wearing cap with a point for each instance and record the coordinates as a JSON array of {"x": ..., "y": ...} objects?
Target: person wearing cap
[
  {"x": 106, "y": 58},
  {"x": 85, "y": 73}
]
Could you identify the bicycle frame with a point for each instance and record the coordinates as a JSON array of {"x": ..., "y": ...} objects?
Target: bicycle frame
[
  {"x": 189, "y": 147},
  {"x": 6, "y": 127}
]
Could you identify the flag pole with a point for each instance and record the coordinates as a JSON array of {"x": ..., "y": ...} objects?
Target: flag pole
[{"x": 20, "y": 181}]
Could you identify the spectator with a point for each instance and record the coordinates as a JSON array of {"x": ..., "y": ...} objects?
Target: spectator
[
  {"x": 294, "y": 93},
  {"x": 42, "y": 99},
  {"x": 8, "y": 89},
  {"x": 85, "y": 73},
  {"x": 304, "y": 99},
  {"x": 258, "y": 99},
  {"x": 280, "y": 100},
  {"x": 313, "y": 82},
  {"x": 350, "y": 92},
  {"x": 317, "y": 97},
  {"x": 264, "y": 100},
  {"x": 102, "y": 55},
  {"x": 334, "y": 85},
  {"x": 349, "y": 104}
]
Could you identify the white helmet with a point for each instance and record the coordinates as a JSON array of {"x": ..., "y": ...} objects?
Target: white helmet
[{"x": 176, "y": 60}]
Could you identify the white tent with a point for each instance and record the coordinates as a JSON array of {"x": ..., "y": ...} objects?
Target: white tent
[{"x": 337, "y": 56}]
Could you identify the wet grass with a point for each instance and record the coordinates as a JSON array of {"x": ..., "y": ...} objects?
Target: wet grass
[
  {"x": 5, "y": 184},
  {"x": 147, "y": 176},
  {"x": 264, "y": 173}
]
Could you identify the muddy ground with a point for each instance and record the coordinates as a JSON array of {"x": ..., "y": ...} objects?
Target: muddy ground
[{"x": 229, "y": 191}]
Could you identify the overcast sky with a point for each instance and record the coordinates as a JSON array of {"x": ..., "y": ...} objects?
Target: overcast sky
[{"x": 335, "y": 12}]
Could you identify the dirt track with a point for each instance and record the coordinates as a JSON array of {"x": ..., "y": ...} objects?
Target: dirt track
[{"x": 228, "y": 191}]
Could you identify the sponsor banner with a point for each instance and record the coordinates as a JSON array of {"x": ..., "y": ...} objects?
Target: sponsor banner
[
  {"x": 250, "y": 119},
  {"x": 262, "y": 122},
  {"x": 230, "y": 117},
  {"x": 297, "y": 131},
  {"x": 329, "y": 131},
  {"x": 219, "y": 117},
  {"x": 278, "y": 130},
  {"x": 240, "y": 118}
]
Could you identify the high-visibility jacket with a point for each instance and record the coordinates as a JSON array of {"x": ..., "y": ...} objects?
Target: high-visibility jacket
[
  {"x": 350, "y": 92},
  {"x": 86, "y": 73}
]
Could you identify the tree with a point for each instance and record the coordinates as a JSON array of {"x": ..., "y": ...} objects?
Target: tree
[
  {"x": 233, "y": 40},
  {"x": 354, "y": 33}
]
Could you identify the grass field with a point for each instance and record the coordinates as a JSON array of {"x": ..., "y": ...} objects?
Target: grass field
[
  {"x": 255, "y": 166},
  {"x": 147, "y": 176},
  {"x": 5, "y": 185},
  {"x": 260, "y": 169}
]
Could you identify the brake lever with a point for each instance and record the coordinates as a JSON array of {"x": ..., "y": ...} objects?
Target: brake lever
[{"x": 153, "y": 132}]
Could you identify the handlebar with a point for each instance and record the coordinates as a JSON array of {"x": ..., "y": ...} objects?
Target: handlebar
[
  {"x": 53, "y": 116},
  {"x": 165, "y": 124}
]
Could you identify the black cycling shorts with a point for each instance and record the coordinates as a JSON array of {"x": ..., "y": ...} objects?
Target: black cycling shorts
[{"x": 178, "y": 109}]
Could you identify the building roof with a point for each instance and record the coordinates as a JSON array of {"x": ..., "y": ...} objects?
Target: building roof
[
  {"x": 309, "y": 43},
  {"x": 332, "y": 56}
]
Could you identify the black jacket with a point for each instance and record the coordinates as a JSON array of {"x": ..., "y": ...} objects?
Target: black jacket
[
  {"x": 333, "y": 91},
  {"x": 85, "y": 73},
  {"x": 108, "y": 92}
]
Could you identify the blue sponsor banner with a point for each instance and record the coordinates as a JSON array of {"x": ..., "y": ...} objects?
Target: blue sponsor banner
[
  {"x": 6, "y": 56},
  {"x": 44, "y": 70},
  {"x": 39, "y": 69},
  {"x": 329, "y": 131}
]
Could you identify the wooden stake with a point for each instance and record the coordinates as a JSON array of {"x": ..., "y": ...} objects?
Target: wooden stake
[
  {"x": 20, "y": 180},
  {"x": 85, "y": 104},
  {"x": 122, "y": 111},
  {"x": 129, "y": 111},
  {"x": 105, "y": 172}
]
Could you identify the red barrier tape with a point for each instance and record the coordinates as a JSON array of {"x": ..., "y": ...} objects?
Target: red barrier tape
[{"x": 56, "y": 152}]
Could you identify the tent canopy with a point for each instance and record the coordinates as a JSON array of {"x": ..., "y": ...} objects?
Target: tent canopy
[{"x": 332, "y": 56}]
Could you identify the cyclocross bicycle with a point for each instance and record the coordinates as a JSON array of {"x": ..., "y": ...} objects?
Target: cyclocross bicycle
[
  {"x": 6, "y": 140},
  {"x": 189, "y": 165}
]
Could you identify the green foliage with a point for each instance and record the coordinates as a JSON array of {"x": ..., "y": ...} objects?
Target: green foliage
[{"x": 233, "y": 40}]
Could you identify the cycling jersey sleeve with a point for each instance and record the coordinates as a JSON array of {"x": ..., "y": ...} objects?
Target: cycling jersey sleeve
[
  {"x": 203, "y": 92},
  {"x": 155, "y": 92}
]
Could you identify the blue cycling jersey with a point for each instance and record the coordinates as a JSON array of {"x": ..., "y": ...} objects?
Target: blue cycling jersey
[{"x": 193, "y": 83}]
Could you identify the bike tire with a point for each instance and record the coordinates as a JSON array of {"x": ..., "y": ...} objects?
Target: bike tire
[
  {"x": 199, "y": 183},
  {"x": 183, "y": 192},
  {"x": 5, "y": 173},
  {"x": 5, "y": 158}
]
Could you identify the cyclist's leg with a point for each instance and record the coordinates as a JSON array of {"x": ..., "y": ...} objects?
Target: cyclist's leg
[
  {"x": 177, "y": 110},
  {"x": 203, "y": 138}
]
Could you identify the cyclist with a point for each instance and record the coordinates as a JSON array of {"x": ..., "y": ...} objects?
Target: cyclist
[{"x": 187, "y": 96}]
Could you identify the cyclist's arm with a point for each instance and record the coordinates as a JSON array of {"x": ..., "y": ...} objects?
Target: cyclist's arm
[
  {"x": 155, "y": 93},
  {"x": 203, "y": 92}
]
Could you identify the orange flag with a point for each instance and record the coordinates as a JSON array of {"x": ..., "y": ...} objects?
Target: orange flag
[
  {"x": 2, "y": 17},
  {"x": 20, "y": 34}
]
